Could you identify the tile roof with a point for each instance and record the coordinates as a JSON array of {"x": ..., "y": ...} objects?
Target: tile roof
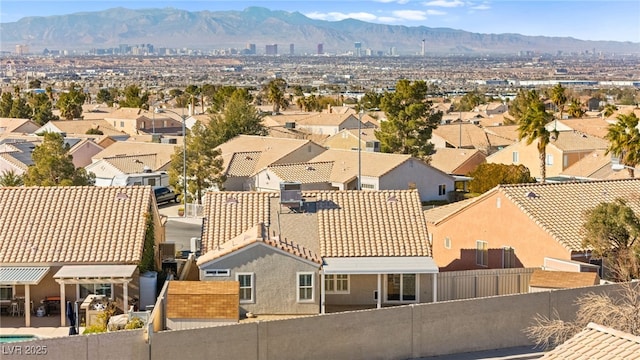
[
  {"x": 347, "y": 223},
  {"x": 470, "y": 135},
  {"x": 255, "y": 235},
  {"x": 596, "y": 166},
  {"x": 243, "y": 163},
  {"x": 13, "y": 161},
  {"x": 439, "y": 213},
  {"x": 67, "y": 225},
  {"x": 563, "y": 279},
  {"x": 574, "y": 141},
  {"x": 559, "y": 208},
  {"x": 373, "y": 164},
  {"x": 592, "y": 126},
  {"x": 132, "y": 164},
  {"x": 163, "y": 152},
  {"x": 449, "y": 159},
  {"x": 128, "y": 113},
  {"x": 507, "y": 132},
  {"x": 597, "y": 342},
  {"x": 8, "y": 125},
  {"x": 305, "y": 173},
  {"x": 82, "y": 126}
]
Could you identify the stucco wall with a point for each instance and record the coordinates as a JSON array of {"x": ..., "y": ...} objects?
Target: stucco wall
[
  {"x": 478, "y": 222},
  {"x": 426, "y": 178},
  {"x": 362, "y": 288},
  {"x": 275, "y": 277}
]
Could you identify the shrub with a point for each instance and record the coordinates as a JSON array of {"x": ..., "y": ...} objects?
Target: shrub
[{"x": 135, "y": 323}]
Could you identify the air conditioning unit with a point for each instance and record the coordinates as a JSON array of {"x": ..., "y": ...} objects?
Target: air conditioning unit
[{"x": 290, "y": 125}]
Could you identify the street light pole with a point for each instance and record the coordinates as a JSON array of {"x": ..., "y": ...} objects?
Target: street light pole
[
  {"x": 184, "y": 157},
  {"x": 360, "y": 149}
]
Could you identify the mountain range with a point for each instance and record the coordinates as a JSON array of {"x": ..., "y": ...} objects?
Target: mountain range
[{"x": 207, "y": 30}]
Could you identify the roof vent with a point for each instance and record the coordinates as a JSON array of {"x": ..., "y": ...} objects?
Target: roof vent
[
  {"x": 531, "y": 195},
  {"x": 122, "y": 196},
  {"x": 232, "y": 200},
  {"x": 392, "y": 199},
  {"x": 310, "y": 168}
]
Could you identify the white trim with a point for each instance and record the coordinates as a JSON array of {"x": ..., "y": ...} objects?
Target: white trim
[
  {"x": 401, "y": 300},
  {"x": 251, "y": 246},
  {"x": 484, "y": 251},
  {"x": 252, "y": 287},
  {"x": 333, "y": 278},
  {"x": 312, "y": 286}
]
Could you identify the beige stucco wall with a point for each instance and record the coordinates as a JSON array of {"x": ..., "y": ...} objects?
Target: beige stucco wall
[
  {"x": 427, "y": 180},
  {"x": 303, "y": 154},
  {"x": 275, "y": 276},
  {"x": 362, "y": 288},
  {"x": 478, "y": 222}
]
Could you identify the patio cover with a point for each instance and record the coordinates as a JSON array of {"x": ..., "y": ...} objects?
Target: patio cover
[
  {"x": 22, "y": 275},
  {"x": 104, "y": 273},
  {"x": 380, "y": 265}
]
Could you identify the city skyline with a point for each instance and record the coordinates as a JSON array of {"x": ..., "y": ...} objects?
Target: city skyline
[{"x": 580, "y": 19}]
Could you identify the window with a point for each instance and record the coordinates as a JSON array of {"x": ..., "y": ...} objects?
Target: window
[
  {"x": 6, "y": 292},
  {"x": 402, "y": 287},
  {"x": 216, "y": 273},
  {"x": 96, "y": 289},
  {"x": 482, "y": 253},
  {"x": 447, "y": 243},
  {"x": 336, "y": 284},
  {"x": 368, "y": 186},
  {"x": 305, "y": 287},
  {"x": 508, "y": 257},
  {"x": 549, "y": 160},
  {"x": 246, "y": 287},
  {"x": 514, "y": 157},
  {"x": 565, "y": 161},
  {"x": 442, "y": 189},
  {"x": 411, "y": 186},
  {"x": 121, "y": 124}
]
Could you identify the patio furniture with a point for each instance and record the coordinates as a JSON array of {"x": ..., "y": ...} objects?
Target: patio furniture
[{"x": 15, "y": 308}]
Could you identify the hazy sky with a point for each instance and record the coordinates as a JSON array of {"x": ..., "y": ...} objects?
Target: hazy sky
[{"x": 582, "y": 19}]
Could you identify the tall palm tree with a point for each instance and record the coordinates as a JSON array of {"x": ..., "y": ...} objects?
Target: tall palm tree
[
  {"x": 275, "y": 94},
  {"x": 558, "y": 98},
  {"x": 609, "y": 110},
  {"x": 532, "y": 127},
  {"x": 10, "y": 178},
  {"x": 575, "y": 108},
  {"x": 624, "y": 141}
]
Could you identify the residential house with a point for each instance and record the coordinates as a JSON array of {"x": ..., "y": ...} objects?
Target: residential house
[
  {"x": 326, "y": 250},
  {"x": 245, "y": 156},
  {"x": 597, "y": 342},
  {"x": 465, "y": 136},
  {"x": 561, "y": 153},
  {"x": 340, "y": 170},
  {"x": 594, "y": 166},
  {"x": 83, "y": 151},
  {"x": 520, "y": 225},
  {"x": 18, "y": 126},
  {"x": 160, "y": 152},
  {"x": 107, "y": 168},
  {"x": 592, "y": 126},
  {"x": 457, "y": 161},
  {"x": 492, "y": 108},
  {"x": 134, "y": 121},
  {"x": 325, "y": 124},
  {"x": 79, "y": 127},
  {"x": 64, "y": 243}
]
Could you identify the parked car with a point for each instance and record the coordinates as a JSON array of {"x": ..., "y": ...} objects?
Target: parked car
[{"x": 164, "y": 194}]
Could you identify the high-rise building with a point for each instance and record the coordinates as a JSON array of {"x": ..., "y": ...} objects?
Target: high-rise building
[
  {"x": 271, "y": 49},
  {"x": 251, "y": 49},
  {"x": 291, "y": 49},
  {"x": 358, "y": 49},
  {"x": 320, "y": 49},
  {"x": 22, "y": 49}
]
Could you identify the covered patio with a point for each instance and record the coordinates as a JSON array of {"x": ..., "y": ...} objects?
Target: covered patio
[
  {"x": 379, "y": 266},
  {"x": 26, "y": 276}
]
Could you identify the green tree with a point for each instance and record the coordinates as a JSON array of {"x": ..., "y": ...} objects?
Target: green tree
[
  {"x": 70, "y": 102},
  {"x": 35, "y": 84},
  {"x": 558, "y": 97},
  {"x": 624, "y": 141},
  {"x": 613, "y": 234},
  {"x": 238, "y": 117},
  {"x": 20, "y": 109},
  {"x": 6, "y": 103},
  {"x": 275, "y": 93},
  {"x": 489, "y": 175},
  {"x": 370, "y": 100},
  {"x": 53, "y": 166},
  {"x": 105, "y": 96},
  {"x": 9, "y": 178},
  {"x": 575, "y": 108},
  {"x": 222, "y": 94},
  {"x": 532, "y": 127},
  {"x": 42, "y": 109},
  {"x": 134, "y": 99},
  {"x": 410, "y": 120},
  {"x": 469, "y": 101}
]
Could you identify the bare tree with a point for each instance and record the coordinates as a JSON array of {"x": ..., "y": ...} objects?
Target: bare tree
[{"x": 621, "y": 312}]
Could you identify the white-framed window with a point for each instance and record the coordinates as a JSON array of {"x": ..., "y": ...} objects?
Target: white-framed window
[
  {"x": 442, "y": 189},
  {"x": 402, "y": 287},
  {"x": 549, "y": 159},
  {"x": 336, "y": 284},
  {"x": 515, "y": 158},
  {"x": 368, "y": 186},
  {"x": 482, "y": 253},
  {"x": 508, "y": 257},
  {"x": 447, "y": 243},
  {"x": 247, "y": 288},
  {"x": 217, "y": 273},
  {"x": 305, "y": 282},
  {"x": 96, "y": 289}
]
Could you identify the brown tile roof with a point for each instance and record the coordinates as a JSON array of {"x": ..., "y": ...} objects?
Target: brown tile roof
[
  {"x": 258, "y": 234},
  {"x": 597, "y": 342},
  {"x": 563, "y": 279},
  {"x": 305, "y": 173},
  {"x": 559, "y": 208},
  {"x": 472, "y": 135},
  {"x": 593, "y": 126},
  {"x": 82, "y": 126},
  {"x": 347, "y": 223},
  {"x": 345, "y": 163},
  {"x": 128, "y": 113},
  {"x": 596, "y": 166},
  {"x": 130, "y": 148},
  {"x": 73, "y": 224},
  {"x": 132, "y": 164},
  {"x": 507, "y": 132},
  {"x": 449, "y": 159},
  {"x": 9, "y": 125},
  {"x": 573, "y": 141},
  {"x": 242, "y": 163},
  {"x": 436, "y": 214}
]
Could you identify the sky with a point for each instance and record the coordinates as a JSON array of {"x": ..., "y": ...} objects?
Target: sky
[{"x": 617, "y": 20}]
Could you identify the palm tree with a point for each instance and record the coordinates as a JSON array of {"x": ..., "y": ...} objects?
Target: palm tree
[
  {"x": 558, "y": 98},
  {"x": 575, "y": 108},
  {"x": 10, "y": 178},
  {"x": 609, "y": 110},
  {"x": 532, "y": 127},
  {"x": 624, "y": 141},
  {"x": 275, "y": 94}
]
